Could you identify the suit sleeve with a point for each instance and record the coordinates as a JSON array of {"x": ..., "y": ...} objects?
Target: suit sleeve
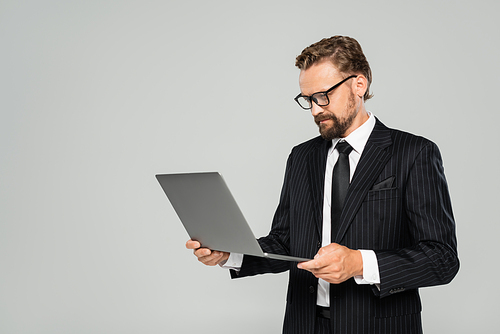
[{"x": 433, "y": 259}]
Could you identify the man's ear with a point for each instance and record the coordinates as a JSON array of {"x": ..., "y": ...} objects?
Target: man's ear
[{"x": 360, "y": 85}]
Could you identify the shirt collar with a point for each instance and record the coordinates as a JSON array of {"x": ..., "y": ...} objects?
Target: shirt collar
[{"x": 358, "y": 138}]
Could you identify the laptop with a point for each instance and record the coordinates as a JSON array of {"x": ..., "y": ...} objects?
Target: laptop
[{"x": 210, "y": 214}]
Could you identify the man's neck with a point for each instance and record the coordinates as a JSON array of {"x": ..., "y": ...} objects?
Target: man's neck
[{"x": 361, "y": 117}]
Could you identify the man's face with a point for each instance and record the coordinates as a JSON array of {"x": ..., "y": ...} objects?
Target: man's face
[{"x": 337, "y": 119}]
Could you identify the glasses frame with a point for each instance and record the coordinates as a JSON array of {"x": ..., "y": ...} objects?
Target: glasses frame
[{"x": 325, "y": 93}]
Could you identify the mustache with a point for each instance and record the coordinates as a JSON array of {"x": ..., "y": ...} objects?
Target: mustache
[{"x": 323, "y": 117}]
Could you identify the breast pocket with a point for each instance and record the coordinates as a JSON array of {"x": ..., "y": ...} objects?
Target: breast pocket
[
  {"x": 380, "y": 205},
  {"x": 382, "y": 195}
]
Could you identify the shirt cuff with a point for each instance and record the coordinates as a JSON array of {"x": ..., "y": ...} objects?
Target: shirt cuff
[
  {"x": 234, "y": 262},
  {"x": 371, "y": 274}
]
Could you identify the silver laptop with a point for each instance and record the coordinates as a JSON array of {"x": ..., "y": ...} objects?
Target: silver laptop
[{"x": 210, "y": 214}]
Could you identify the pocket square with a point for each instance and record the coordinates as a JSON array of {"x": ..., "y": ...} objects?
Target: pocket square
[{"x": 385, "y": 184}]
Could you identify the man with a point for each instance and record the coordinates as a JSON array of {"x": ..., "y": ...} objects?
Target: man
[{"x": 369, "y": 203}]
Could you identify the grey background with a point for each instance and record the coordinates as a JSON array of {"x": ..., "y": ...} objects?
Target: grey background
[{"x": 96, "y": 97}]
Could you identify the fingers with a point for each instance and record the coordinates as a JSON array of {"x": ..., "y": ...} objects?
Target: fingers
[
  {"x": 334, "y": 263},
  {"x": 205, "y": 255},
  {"x": 319, "y": 261},
  {"x": 210, "y": 258},
  {"x": 325, "y": 256},
  {"x": 213, "y": 259},
  {"x": 325, "y": 268},
  {"x": 328, "y": 249},
  {"x": 192, "y": 244}
]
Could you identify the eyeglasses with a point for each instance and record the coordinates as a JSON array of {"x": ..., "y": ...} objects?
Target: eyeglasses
[{"x": 320, "y": 98}]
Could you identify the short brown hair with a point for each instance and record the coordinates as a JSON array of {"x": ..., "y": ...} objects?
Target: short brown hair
[{"x": 343, "y": 51}]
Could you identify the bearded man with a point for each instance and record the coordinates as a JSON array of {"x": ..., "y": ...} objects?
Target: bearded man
[{"x": 369, "y": 204}]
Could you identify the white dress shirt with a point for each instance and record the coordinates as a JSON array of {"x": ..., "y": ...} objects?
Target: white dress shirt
[{"x": 357, "y": 139}]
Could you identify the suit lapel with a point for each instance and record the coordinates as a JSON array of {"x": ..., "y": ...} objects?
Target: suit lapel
[
  {"x": 370, "y": 165},
  {"x": 316, "y": 164}
]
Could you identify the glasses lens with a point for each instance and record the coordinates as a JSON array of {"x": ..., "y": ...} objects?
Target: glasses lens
[
  {"x": 320, "y": 99},
  {"x": 304, "y": 102}
]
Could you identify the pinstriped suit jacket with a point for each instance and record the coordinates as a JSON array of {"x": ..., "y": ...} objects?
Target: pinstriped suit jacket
[{"x": 397, "y": 205}]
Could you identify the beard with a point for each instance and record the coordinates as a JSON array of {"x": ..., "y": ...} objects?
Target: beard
[{"x": 340, "y": 125}]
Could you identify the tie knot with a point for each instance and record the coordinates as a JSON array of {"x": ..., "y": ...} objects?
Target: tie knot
[{"x": 344, "y": 147}]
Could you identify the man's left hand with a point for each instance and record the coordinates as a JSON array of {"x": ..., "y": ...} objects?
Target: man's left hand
[{"x": 335, "y": 264}]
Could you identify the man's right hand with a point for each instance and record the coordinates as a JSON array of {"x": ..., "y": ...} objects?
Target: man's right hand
[{"x": 205, "y": 255}]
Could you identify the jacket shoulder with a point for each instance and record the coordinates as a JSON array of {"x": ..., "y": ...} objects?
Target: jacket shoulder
[
  {"x": 383, "y": 135},
  {"x": 304, "y": 148},
  {"x": 405, "y": 139}
]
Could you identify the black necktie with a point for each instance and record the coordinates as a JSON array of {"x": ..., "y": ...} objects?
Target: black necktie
[{"x": 340, "y": 183}]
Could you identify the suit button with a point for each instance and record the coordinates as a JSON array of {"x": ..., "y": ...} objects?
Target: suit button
[
  {"x": 312, "y": 289},
  {"x": 319, "y": 244},
  {"x": 397, "y": 290}
]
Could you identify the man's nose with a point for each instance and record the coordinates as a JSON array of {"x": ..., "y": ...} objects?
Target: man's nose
[{"x": 315, "y": 109}]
